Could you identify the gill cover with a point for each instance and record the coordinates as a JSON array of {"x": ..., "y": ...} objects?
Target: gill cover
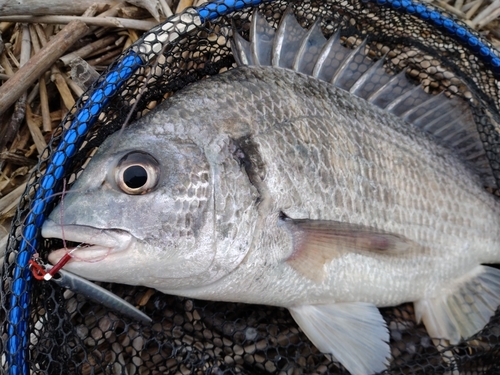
[{"x": 156, "y": 190}]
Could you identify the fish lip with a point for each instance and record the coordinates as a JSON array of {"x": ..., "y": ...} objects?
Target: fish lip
[{"x": 114, "y": 239}]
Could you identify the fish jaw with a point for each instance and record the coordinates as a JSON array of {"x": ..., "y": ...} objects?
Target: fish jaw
[
  {"x": 103, "y": 242},
  {"x": 115, "y": 255},
  {"x": 101, "y": 246}
]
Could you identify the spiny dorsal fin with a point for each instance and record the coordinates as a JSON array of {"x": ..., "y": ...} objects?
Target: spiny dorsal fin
[
  {"x": 287, "y": 41},
  {"x": 263, "y": 36},
  {"x": 450, "y": 121},
  {"x": 352, "y": 67},
  {"x": 242, "y": 51},
  {"x": 310, "y": 47}
]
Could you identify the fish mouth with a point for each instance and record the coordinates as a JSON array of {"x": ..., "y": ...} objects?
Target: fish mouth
[{"x": 92, "y": 244}]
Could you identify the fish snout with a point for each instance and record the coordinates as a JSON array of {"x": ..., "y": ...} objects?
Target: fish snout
[{"x": 94, "y": 244}]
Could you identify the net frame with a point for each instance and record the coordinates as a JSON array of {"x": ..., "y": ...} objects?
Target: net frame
[{"x": 70, "y": 149}]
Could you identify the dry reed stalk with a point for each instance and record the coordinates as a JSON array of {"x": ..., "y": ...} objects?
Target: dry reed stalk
[
  {"x": 167, "y": 12},
  {"x": 89, "y": 49},
  {"x": 484, "y": 13},
  {"x": 490, "y": 17},
  {"x": 450, "y": 8},
  {"x": 37, "y": 7},
  {"x": 458, "y": 4},
  {"x": 105, "y": 59},
  {"x": 34, "y": 127},
  {"x": 4, "y": 61},
  {"x": 42, "y": 87},
  {"x": 22, "y": 148},
  {"x": 64, "y": 91},
  {"x": 4, "y": 26},
  {"x": 39, "y": 63},
  {"x": 56, "y": 75},
  {"x": 73, "y": 86},
  {"x": 44, "y": 105},
  {"x": 183, "y": 4},
  {"x": 472, "y": 11},
  {"x": 10, "y": 131},
  {"x": 123, "y": 23},
  {"x": 91, "y": 11}
]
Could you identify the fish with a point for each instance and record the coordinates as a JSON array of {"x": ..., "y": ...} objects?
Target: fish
[{"x": 294, "y": 181}]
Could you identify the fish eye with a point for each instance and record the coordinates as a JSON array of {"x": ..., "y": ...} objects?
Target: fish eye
[{"x": 137, "y": 173}]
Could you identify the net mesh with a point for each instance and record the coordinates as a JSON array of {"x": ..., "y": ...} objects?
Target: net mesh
[{"x": 69, "y": 334}]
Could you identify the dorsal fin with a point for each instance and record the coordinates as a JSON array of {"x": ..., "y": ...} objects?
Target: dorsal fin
[
  {"x": 310, "y": 47},
  {"x": 263, "y": 36},
  {"x": 242, "y": 51},
  {"x": 291, "y": 46},
  {"x": 287, "y": 41}
]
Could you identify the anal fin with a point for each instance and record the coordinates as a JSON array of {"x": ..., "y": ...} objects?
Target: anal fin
[
  {"x": 354, "y": 333},
  {"x": 464, "y": 308}
]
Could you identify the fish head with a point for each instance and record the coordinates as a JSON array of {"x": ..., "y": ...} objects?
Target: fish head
[{"x": 151, "y": 208}]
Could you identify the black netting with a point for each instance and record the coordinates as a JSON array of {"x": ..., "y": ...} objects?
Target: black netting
[{"x": 71, "y": 335}]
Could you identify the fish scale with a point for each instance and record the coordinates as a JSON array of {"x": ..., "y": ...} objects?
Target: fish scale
[
  {"x": 424, "y": 12},
  {"x": 370, "y": 143},
  {"x": 450, "y": 121},
  {"x": 283, "y": 256}
]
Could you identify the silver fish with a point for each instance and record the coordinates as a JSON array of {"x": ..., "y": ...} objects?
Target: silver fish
[{"x": 268, "y": 185}]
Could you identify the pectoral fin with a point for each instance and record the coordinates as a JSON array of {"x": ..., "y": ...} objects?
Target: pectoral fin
[
  {"x": 354, "y": 333},
  {"x": 464, "y": 308},
  {"x": 316, "y": 242}
]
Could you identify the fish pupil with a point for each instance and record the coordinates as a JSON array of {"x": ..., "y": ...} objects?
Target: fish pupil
[{"x": 135, "y": 176}]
